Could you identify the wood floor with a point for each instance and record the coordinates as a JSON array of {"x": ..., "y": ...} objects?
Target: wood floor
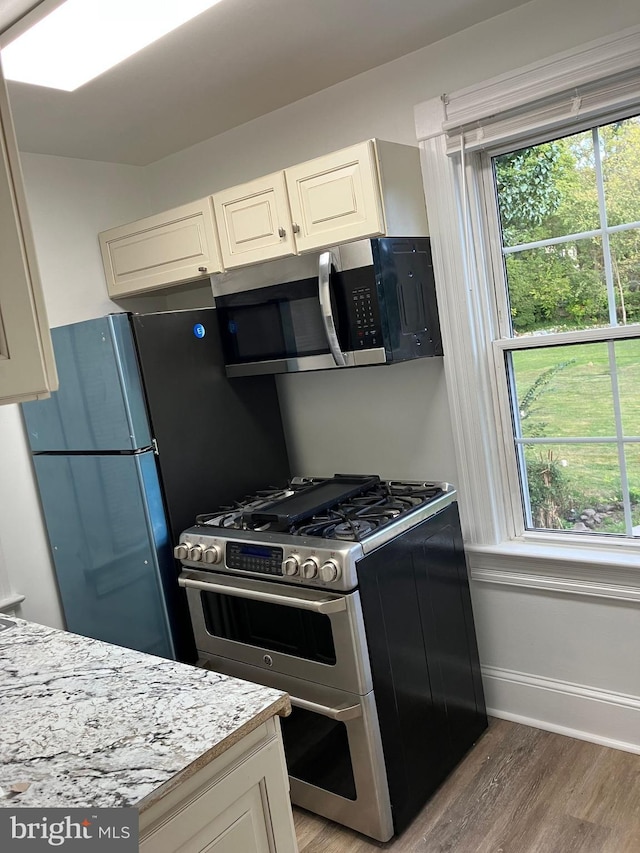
[{"x": 520, "y": 790}]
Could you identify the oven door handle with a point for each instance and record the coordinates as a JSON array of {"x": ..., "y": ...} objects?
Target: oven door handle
[
  {"x": 328, "y": 605},
  {"x": 340, "y": 714},
  {"x": 328, "y": 260}
]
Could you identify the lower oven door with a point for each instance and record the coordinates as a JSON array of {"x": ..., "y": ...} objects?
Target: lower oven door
[
  {"x": 333, "y": 751},
  {"x": 309, "y": 634}
]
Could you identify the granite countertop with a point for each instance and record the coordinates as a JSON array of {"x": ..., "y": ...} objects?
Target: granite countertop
[{"x": 86, "y": 723}]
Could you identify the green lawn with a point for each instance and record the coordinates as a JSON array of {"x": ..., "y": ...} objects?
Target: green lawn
[{"x": 566, "y": 392}]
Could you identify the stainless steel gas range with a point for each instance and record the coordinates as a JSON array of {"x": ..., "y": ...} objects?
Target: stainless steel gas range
[{"x": 351, "y": 594}]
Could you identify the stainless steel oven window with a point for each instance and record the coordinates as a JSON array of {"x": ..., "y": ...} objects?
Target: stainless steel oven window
[
  {"x": 317, "y": 750},
  {"x": 273, "y": 627},
  {"x": 370, "y": 811},
  {"x": 256, "y": 644}
]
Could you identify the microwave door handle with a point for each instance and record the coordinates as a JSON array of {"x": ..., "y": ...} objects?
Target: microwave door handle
[
  {"x": 341, "y": 714},
  {"x": 327, "y": 260},
  {"x": 330, "y": 605}
]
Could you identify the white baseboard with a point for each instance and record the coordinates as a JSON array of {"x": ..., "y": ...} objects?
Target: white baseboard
[{"x": 599, "y": 716}]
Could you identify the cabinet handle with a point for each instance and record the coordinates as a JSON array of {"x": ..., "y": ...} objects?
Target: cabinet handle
[
  {"x": 282, "y": 232},
  {"x": 202, "y": 269},
  {"x": 295, "y": 228}
]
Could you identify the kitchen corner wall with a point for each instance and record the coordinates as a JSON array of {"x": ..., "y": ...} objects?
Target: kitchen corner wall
[
  {"x": 534, "y": 644},
  {"x": 69, "y": 201}
]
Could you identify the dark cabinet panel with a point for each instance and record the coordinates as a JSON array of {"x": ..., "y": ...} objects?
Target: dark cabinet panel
[{"x": 424, "y": 658}]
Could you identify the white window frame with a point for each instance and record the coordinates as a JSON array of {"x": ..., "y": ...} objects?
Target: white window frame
[{"x": 458, "y": 133}]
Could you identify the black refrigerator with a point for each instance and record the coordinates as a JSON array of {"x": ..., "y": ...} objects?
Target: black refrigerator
[{"x": 145, "y": 432}]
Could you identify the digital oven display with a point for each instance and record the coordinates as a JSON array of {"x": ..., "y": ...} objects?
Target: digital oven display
[{"x": 254, "y": 558}]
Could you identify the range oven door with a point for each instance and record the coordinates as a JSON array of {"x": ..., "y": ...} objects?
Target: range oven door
[
  {"x": 311, "y": 324},
  {"x": 333, "y": 750},
  {"x": 309, "y": 634}
]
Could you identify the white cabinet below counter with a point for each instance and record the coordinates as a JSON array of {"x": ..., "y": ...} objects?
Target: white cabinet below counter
[
  {"x": 239, "y": 803},
  {"x": 199, "y": 755},
  {"x": 174, "y": 247}
]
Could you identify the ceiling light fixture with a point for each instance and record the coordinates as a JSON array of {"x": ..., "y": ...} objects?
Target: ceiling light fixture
[{"x": 84, "y": 38}]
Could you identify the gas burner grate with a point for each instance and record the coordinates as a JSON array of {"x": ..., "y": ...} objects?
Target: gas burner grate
[
  {"x": 351, "y": 519},
  {"x": 353, "y": 529}
]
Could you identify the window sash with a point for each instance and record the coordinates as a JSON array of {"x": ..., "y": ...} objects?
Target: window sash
[
  {"x": 619, "y": 441},
  {"x": 514, "y": 443}
]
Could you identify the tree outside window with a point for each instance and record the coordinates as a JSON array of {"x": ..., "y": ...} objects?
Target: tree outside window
[{"x": 569, "y": 212}]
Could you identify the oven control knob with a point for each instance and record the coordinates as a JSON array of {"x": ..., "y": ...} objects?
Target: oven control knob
[
  {"x": 291, "y": 565},
  {"x": 195, "y": 552},
  {"x": 181, "y": 551},
  {"x": 330, "y": 571},
  {"x": 212, "y": 554},
  {"x": 309, "y": 569}
]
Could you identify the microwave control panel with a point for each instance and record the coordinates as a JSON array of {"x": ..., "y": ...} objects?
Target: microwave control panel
[
  {"x": 362, "y": 308},
  {"x": 366, "y": 328}
]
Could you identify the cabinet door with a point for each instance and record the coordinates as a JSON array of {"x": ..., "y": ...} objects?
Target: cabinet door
[
  {"x": 247, "y": 810},
  {"x": 336, "y": 198},
  {"x": 253, "y": 221},
  {"x": 27, "y": 368},
  {"x": 176, "y": 246}
]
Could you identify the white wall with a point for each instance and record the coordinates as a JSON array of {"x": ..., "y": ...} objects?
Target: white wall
[
  {"x": 392, "y": 421},
  {"x": 22, "y": 536},
  {"x": 70, "y": 201},
  {"x": 563, "y": 661}
]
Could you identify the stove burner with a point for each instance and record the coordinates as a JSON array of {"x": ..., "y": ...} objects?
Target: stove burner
[{"x": 350, "y": 530}]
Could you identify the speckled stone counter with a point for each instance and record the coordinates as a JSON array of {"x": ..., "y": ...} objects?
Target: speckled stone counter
[{"x": 85, "y": 723}]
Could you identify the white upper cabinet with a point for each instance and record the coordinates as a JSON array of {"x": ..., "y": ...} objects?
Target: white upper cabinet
[
  {"x": 254, "y": 223},
  {"x": 176, "y": 246},
  {"x": 367, "y": 190},
  {"x": 336, "y": 198},
  {"x": 27, "y": 367}
]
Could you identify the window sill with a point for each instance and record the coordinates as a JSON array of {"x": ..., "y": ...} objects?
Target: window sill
[{"x": 574, "y": 569}]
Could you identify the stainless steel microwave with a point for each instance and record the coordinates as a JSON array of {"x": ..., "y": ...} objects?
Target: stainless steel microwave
[{"x": 381, "y": 313}]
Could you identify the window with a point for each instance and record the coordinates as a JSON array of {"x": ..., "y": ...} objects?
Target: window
[
  {"x": 568, "y": 213},
  {"x": 532, "y": 182}
]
